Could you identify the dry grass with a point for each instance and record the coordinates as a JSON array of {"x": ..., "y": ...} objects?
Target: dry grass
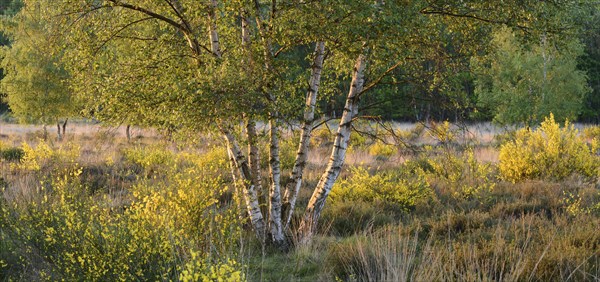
[{"x": 515, "y": 232}]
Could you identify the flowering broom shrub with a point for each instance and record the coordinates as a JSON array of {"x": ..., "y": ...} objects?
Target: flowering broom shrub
[
  {"x": 171, "y": 227},
  {"x": 548, "y": 152}
]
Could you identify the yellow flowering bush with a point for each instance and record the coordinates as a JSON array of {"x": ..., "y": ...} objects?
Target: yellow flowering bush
[
  {"x": 442, "y": 132},
  {"x": 592, "y": 132},
  {"x": 148, "y": 237},
  {"x": 42, "y": 155},
  {"x": 149, "y": 158},
  {"x": 196, "y": 270},
  {"x": 548, "y": 152},
  {"x": 382, "y": 151},
  {"x": 321, "y": 137}
]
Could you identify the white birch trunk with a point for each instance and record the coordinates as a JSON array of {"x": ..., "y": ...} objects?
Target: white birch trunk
[
  {"x": 250, "y": 197},
  {"x": 293, "y": 186},
  {"x": 338, "y": 154},
  {"x": 253, "y": 153},
  {"x": 215, "y": 45},
  {"x": 275, "y": 226}
]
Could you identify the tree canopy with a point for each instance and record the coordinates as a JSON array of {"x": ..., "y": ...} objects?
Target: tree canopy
[{"x": 524, "y": 84}]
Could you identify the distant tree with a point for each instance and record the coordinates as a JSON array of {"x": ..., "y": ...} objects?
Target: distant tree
[
  {"x": 590, "y": 63},
  {"x": 35, "y": 82},
  {"x": 523, "y": 83},
  {"x": 8, "y": 8}
]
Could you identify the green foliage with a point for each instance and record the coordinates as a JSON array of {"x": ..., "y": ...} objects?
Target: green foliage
[
  {"x": 396, "y": 190},
  {"x": 462, "y": 174},
  {"x": 549, "y": 152},
  {"x": 524, "y": 83},
  {"x": 382, "y": 151},
  {"x": 157, "y": 159},
  {"x": 149, "y": 158},
  {"x": 35, "y": 81},
  {"x": 443, "y": 132},
  {"x": 321, "y": 137},
  {"x": 44, "y": 156},
  {"x": 11, "y": 154},
  {"x": 195, "y": 270},
  {"x": 169, "y": 228}
]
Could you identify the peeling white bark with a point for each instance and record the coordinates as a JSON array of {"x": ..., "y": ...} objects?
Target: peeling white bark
[
  {"x": 215, "y": 45},
  {"x": 275, "y": 226},
  {"x": 249, "y": 190},
  {"x": 338, "y": 154},
  {"x": 293, "y": 186}
]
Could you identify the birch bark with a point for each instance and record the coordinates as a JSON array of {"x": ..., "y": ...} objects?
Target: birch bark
[
  {"x": 275, "y": 225},
  {"x": 338, "y": 154},
  {"x": 293, "y": 186},
  {"x": 249, "y": 190}
]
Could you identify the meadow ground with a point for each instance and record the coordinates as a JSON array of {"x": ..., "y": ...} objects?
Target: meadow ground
[{"x": 426, "y": 203}]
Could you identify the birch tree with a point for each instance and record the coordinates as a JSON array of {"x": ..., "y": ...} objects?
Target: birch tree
[{"x": 225, "y": 65}]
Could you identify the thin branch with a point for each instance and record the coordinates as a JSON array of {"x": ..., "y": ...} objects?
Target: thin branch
[
  {"x": 119, "y": 31},
  {"x": 168, "y": 20}
]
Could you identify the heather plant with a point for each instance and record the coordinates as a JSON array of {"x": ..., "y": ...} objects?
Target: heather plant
[{"x": 549, "y": 152}]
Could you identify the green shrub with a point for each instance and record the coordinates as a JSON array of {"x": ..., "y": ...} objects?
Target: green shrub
[
  {"x": 170, "y": 229},
  {"x": 382, "y": 151},
  {"x": 321, "y": 137},
  {"x": 12, "y": 154},
  {"x": 393, "y": 189},
  {"x": 548, "y": 152},
  {"x": 344, "y": 218},
  {"x": 462, "y": 174},
  {"x": 150, "y": 158},
  {"x": 443, "y": 132}
]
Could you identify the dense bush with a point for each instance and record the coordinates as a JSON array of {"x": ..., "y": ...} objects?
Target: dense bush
[
  {"x": 549, "y": 152},
  {"x": 382, "y": 151},
  {"x": 396, "y": 190},
  {"x": 13, "y": 154},
  {"x": 461, "y": 174},
  {"x": 366, "y": 200},
  {"x": 592, "y": 132},
  {"x": 43, "y": 156},
  {"x": 173, "y": 227}
]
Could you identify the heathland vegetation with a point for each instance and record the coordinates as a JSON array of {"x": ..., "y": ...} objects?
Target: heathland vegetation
[{"x": 261, "y": 140}]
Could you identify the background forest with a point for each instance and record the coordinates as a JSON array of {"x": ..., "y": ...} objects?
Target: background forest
[{"x": 300, "y": 140}]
